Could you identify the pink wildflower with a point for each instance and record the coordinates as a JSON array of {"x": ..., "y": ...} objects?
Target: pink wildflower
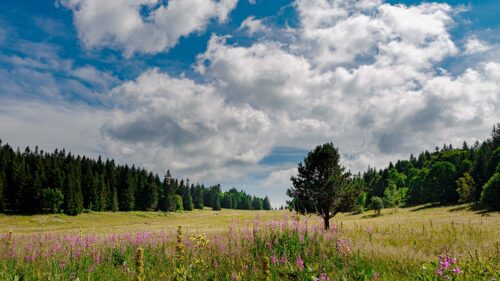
[
  {"x": 274, "y": 259},
  {"x": 284, "y": 259},
  {"x": 300, "y": 263},
  {"x": 323, "y": 277},
  {"x": 457, "y": 270}
]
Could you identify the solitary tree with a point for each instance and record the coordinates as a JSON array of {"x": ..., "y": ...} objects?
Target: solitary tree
[
  {"x": 322, "y": 186},
  {"x": 377, "y": 204}
]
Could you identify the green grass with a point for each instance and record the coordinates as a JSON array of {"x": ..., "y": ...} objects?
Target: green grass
[{"x": 398, "y": 245}]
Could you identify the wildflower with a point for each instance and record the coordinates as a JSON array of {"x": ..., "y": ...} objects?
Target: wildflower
[
  {"x": 300, "y": 263},
  {"x": 284, "y": 259},
  {"x": 370, "y": 230},
  {"x": 274, "y": 259},
  {"x": 375, "y": 276},
  {"x": 323, "y": 277},
  {"x": 457, "y": 270}
]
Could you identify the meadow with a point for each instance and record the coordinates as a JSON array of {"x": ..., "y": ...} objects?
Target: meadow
[{"x": 418, "y": 243}]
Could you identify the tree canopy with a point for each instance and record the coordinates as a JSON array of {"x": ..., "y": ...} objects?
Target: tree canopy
[{"x": 322, "y": 185}]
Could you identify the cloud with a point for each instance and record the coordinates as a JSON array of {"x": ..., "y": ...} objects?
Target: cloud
[
  {"x": 144, "y": 26},
  {"x": 473, "y": 46},
  {"x": 280, "y": 177},
  {"x": 36, "y": 71},
  {"x": 51, "y": 125},
  {"x": 365, "y": 75},
  {"x": 187, "y": 125},
  {"x": 350, "y": 32},
  {"x": 252, "y": 26}
]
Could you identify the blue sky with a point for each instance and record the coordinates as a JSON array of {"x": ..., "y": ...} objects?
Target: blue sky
[{"x": 237, "y": 92}]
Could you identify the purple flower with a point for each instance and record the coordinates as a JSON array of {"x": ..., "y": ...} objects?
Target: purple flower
[
  {"x": 274, "y": 259},
  {"x": 300, "y": 263},
  {"x": 457, "y": 270},
  {"x": 323, "y": 277},
  {"x": 284, "y": 259}
]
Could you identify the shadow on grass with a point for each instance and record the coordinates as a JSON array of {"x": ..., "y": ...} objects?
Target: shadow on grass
[{"x": 370, "y": 216}]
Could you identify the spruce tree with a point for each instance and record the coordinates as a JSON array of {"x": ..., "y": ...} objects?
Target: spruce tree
[
  {"x": 267, "y": 204},
  {"x": 216, "y": 204}
]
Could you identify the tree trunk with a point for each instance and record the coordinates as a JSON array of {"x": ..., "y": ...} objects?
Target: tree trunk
[{"x": 326, "y": 219}]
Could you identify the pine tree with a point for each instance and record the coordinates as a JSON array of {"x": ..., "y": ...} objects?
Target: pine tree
[
  {"x": 199, "y": 199},
  {"x": 126, "y": 192},
  {"x": 187, "y": 199},
  {"x": 267, "y": 204},
  {"x": 3, "y": 183},
  {"x": 216, "y": 203}
]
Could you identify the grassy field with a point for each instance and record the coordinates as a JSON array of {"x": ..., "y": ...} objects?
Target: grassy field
[{"x": 402, "y": 244}]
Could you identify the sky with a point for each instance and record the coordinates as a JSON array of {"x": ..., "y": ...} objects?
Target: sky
[{"x": 237, "y": 92}]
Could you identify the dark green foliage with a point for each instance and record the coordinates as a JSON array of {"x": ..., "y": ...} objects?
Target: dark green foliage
[
  {"x": 187, "y": 199},
  {"x": 377, "y": 204},
  {"x": 257, "y": 203},
  {"x": 52, "y": 200},
  {"x": 95, "y": 185},
  {"x": 126, "y": 190},
  {"x": 267, "y": 204},
  {"x": 445, "y": 176},
  {"x": 322, "y": 186},
  {"x": 216, "y": 203},
  {"x": 440, "y": 183},
  {"x": 490, "y": 197},
  {"x": 2, "y": 184},
  {"x": 198, "y": 197}
]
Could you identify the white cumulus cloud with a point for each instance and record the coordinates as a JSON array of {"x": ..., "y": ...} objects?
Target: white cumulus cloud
[{"x": 143, "y": 26}]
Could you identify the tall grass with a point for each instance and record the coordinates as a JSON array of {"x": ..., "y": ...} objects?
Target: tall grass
[{"x": 292, "y": 247}]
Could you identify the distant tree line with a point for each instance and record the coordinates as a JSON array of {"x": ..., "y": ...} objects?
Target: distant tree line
[
  {"x": 33, "y": 182},
  {"x": 447, "y": 175}
]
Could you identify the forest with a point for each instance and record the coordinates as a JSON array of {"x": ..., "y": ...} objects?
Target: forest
[
  {"x": 447, "y": 175},
  {"x": 33, "y": 182}
]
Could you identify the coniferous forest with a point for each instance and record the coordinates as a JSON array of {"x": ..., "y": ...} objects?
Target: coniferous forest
[
  {"x": 33, "y": 182},
  {"x": 447, "y": 175}
]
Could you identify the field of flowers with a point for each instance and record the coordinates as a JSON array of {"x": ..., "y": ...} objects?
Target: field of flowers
[{"x": 291, "y": 247}]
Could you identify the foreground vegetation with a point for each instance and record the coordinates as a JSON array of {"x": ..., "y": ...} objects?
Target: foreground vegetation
[{"x": 277, "y": 245}]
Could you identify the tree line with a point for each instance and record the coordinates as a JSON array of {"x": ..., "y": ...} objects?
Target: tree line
[
  {"x": 447, "y": 175},
  {"x": 33, "y": 182},
  {"x": 470, "y": 174}
]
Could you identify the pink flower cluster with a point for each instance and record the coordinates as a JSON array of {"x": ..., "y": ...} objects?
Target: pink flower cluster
[
  {"x": 448, "y": 264},
  {"x": 323, "y": 277},
  {"x": 343, "y": 247}
]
